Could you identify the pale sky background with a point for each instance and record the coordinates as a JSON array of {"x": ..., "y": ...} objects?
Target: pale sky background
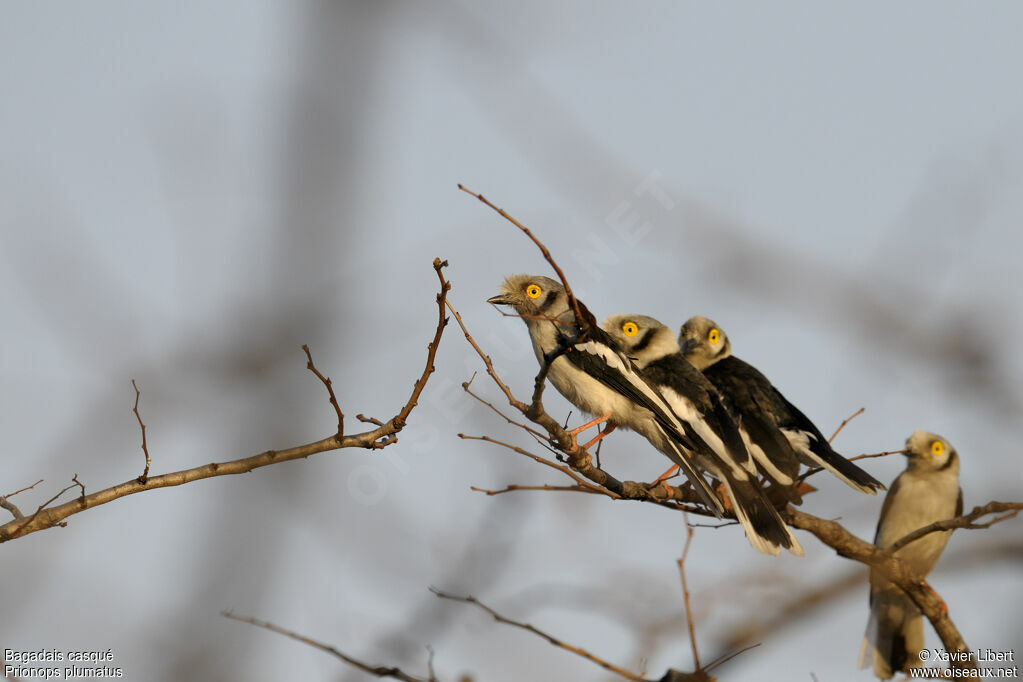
[{"x": 192, "y": 191}]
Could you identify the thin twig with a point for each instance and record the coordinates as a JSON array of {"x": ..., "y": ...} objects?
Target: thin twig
[
  {"x": 845, "y": 421},
  {"x": 44, "y": 505},
  {"x": 572, "y": 301},
  {"x": 311, "y": 366},
  {"x": 542, "y": 460},
  {"x": 560, "y": 488},
  {"x": 878, "y": 454},
  {"x": 375, "y": 670},
  {"x": 964, "y": 521},
  {"x": 816, "y": 470},
  {"x": 429, "y": 662},
  {"x": 145, "y": 448},
  {"x": 466, "y": 387},
  {"x": 540, "y": 633},
  {"x": 685, "y": 590},
  {"x": 606, "y": 484},
  {"x": 74, "y": 479},
  {"x": 517, "y": 404},
  {"x": 727, "y": 657}
]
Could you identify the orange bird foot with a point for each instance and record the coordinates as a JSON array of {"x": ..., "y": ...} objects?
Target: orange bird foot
[
  {"x": 608, "y": 428},
  {"x": 944, "y": 606},
  {"x": 725, "y": 501}
]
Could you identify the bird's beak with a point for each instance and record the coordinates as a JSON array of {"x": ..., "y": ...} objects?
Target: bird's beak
[
  {"x": 500, "y": 299},
  {"x": 686, "y": 345}
]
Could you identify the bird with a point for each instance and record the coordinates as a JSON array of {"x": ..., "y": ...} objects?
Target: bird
[
  {"x": 589, "y": 369},
  {"x": 720, "y": 449},
  {"x": 926, "y": 492},
  {"x": 778, "y": 434}
]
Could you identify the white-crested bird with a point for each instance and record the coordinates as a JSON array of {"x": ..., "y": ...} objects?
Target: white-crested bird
[
  {"x": 764, "y": 412},
  {"x": 719, "y": 446},
  {"x": 587, "y": 367},
  {"x": 926, "y": 492}
]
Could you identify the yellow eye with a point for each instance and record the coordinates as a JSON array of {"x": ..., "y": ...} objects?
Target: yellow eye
[
  {"x": 533, "y": 291},
  {"x": 937, "y": 447},
  {"x": 714, "y": 336},
  {"x": 630, "y": 329}
]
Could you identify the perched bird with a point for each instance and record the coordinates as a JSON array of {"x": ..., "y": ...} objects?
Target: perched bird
[
  {"x": 719, "y": 446},
  {"x": 588, "y": 368},
  {"x": 764, "y": 413},
  {"x": 926, "y": 492}
]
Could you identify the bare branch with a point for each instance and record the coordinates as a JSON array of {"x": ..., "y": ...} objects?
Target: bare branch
[
  {"x": 845, "y": 421},
  {"x": 145, "y": 448},
  {"x": 74, "y": 479},
  {"x": 398, "y": 421},
  {"x": 893, "y": 569},
  {"x": 382, "y": 436},
  {"x": 572, "y": 301},
  {"x": 542, "y": 460},
  {"x": 533, "y": 432},
  {"x": 816, "y": 470},
  {"x": 330, "y": 391},
  {"x": 559, "y": 488},
  {"x": 517, "y": 404},
  {"x": 608, "y": 485},
  {"x": 727, "y": 657},
  {"x": 685, "y": 591},
  {"x": 375, "y": 670},
  {"x": 31, "y": 519},
  {"x": 965, "y": 521},
  {"x": 540, "y": 633},
  {"x": 878, "y": 454},
  {"x": 10, "y": 506}
]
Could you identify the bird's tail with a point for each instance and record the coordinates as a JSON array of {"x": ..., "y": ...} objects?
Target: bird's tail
[
  {"x": 764, "y": 527},
  {"x": 820, "y": 453},
  {"x": 894, "y": 636}
]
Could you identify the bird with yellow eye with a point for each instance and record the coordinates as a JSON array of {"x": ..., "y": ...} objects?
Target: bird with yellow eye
[
  {"x": 589, "y": 369},
  {"x": 926, "y": 492},
  {"x": 718, "y": 443},
  {"x": 779, "y": 436}
]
